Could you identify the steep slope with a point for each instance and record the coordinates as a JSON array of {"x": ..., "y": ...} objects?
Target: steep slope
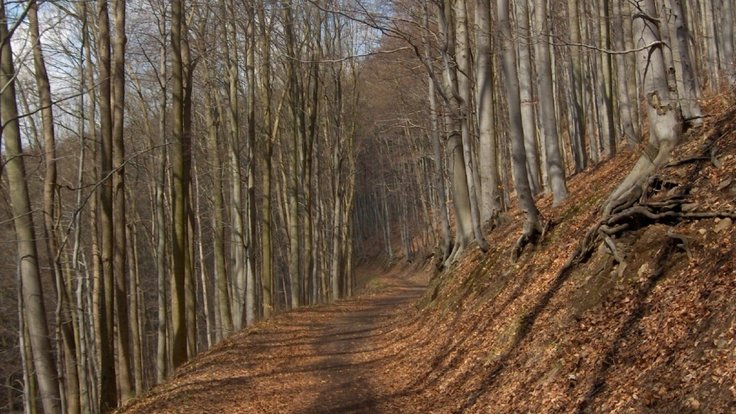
[{"x": 645, "y": 325}]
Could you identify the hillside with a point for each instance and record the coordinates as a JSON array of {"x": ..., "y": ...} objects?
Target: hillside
[{"x": 567, "y": 328}]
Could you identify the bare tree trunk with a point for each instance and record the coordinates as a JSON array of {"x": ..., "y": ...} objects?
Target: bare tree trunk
[
  {"x": 489, "y": 205},
  {"x": 522, "y": 40},
  {"x": 123, "y": 356},
  {"x": 663, "y": 112},
  {"x": 136, "y": 304},
  {"x": 632, "y": 82},
  {"x": 238, "y": 274},
  {"x": 464, "y": 84},
  {"x": 180, "y": 151},
  {"x": 606, "y": 82},
  {"x": 532, "y": 226},
  {"x": 577, "y": 114},
  {"x": 711, "y": 46},
  {"x": 105, "y": 329},
  {"x": 70, "y": 383},
  {"x": 267, "y": 279},
  {"x": 460, "y": 191},
  {"x": 625, "y": 107},
  {"x": 687, "y": 89},
  {"x": 225, "y": 328},
  {"x": 294, "y": 227},
  {"x": 190, "y": 284},
  {"x": 554, "y": 161},
  {"x": 30, "y": 279},
  {"x": 727, "y": 37},
  {"x": 162, "y": 339},
  {"x": 250, "y": 288}
]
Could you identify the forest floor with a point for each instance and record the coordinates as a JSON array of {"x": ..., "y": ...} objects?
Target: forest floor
[
  {"x": 326, "y": 358},
  {"x": 649, "y": 328}
]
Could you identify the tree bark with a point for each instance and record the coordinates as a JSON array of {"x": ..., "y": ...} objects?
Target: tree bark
[
  {"x": 554, "y": 161},
  {"x": 464, "y": 84},
  {"x": 577, "y": 115},
  {"x": 532, "y": 226},
  {"x": 105, "y": 329},
  {"x": 489, "y": 205},
  {"x": 30, "y": 278},
  {"x": 524, "y": 64},
  {"x": 663, "y": 112},
  {"x": 180, "y": 181}
]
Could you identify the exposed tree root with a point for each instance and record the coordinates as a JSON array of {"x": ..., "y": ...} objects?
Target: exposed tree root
[
  {"x": 653, "y": 200},
  {"x": 531, "y": 233}
]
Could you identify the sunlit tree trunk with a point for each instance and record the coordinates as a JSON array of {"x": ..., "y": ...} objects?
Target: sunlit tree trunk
[
  {"x": 662, "y": 110},
  {"x": 577, "y": 129},
  {"x": 70, "y": 383},
  {"x": 485, "y": 105},
  {"x": 687, "y": 88},
  {"x": 542, "y": 57},
  {"x": 532, "y": 226},
  {"x": 34, "y": 312},
  {"x": 456, "y": 158},
  {"x": 522, "y": 40},
  {"x": 465, "y": 90},
  {"x": 294, "y": 199},
  {"x": 625, "y": 107}
]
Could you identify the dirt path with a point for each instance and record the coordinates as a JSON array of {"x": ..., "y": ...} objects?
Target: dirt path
[{"x": 321, "y": 359}]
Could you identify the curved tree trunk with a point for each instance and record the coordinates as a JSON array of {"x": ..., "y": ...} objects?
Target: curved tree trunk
[
  {"x": 64, "y": 315},
  {"x": 663, "y": 111}
]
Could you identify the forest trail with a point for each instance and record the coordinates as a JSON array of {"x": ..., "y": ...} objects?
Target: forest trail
[{"x": 320, "y": 359}]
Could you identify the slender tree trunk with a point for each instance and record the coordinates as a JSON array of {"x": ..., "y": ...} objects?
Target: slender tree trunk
[
  {"x": 554, "y": 161},
  {"x": 464, "y": 84},
  {"x": 218, "y": 220},
  {"x": 625, "y": 107},
  {"x": 577, "y": 129},
  {"x": 687, "y": 89},
  {"x": 522, "y": 40},
  {"x": 250, "y": 289},
  {"x": 485, "y": 107},
  {"x": 532, "y": 226},
  {"x": 295, "y": 230},
  {"x": 456, "y": 157},
  {"x": 123, "y": 356},
  {"x": 180, "y": 151},
  {"x": 267, "y": 279},
  {"x": 70, "y": 383},
  {"x": 162, "y": 339},
  {"x": 30, "y": 279},
  {"x": 109, "y": 392}
]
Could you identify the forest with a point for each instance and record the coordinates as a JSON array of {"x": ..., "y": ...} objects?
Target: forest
[{"x": 174, "y": 172}]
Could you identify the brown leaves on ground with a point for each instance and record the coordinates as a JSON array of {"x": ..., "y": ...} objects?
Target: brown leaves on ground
[{"x": 655, "y": 333}]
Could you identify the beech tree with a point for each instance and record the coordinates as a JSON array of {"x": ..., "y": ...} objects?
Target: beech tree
[
  {"x": 199, "y": 167},
  {"x": 32, "y": 306}
]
